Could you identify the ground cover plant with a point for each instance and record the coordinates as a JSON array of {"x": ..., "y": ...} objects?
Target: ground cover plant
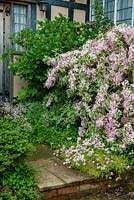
[
  {"x": 16, "y": 177},
  {"x": 98, "y": 82},
  {"x": 55, "y": 126}
]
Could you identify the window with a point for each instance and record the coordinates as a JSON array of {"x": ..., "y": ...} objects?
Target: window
[
  {"x": 19, "y": 20},
  {"x": 109, "y": 6},
  {"x": 124, "y": 11},
  {"x": 119, "y": 11}
]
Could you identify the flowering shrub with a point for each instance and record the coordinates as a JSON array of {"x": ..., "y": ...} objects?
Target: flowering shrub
[{"x": 99, "y": 82}]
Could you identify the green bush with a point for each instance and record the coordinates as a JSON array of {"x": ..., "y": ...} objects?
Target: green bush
[
  {"x": 18, "y": 183},
  {"x": 16, "y": 180},
  {"x": 50, "y": 40},
  {"x": 14, "y": 143},
  {"x": 55, "y": 126}
]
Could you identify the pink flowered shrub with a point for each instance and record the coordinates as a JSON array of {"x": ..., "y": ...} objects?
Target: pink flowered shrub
[{"x": 100, "y": 77}]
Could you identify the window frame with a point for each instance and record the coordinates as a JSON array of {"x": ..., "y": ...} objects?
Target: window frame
[
  {"x": 28, "y": 17},
  {"x": 115, "y": 21}
]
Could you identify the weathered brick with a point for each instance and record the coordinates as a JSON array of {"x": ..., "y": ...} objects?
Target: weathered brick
[
  {"x": 89, "y": 187},
  {"x": 62, "y": 197},
  {"x": 104, "y": 185},
  {"x": 67, "y": 190},
  {"x": 50, "y": 194}
]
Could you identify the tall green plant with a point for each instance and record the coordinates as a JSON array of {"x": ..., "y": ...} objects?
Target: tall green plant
[{"x": 100, "y": 22}]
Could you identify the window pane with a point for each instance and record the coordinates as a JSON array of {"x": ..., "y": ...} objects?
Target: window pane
[
  {"x": 20, "y": 20},
  {"x": 16, "y": 18},
  {"x": 109, "y": 9},
  {"x": 20, "y": 16},
  {"x": 124, "y": 11}
]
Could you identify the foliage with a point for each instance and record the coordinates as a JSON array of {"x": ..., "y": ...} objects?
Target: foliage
[
  {"x": 98, "y": 82},
  {"x": 16, "y": 180},
  {"x": 102, "y": 24},
  {"x": 52, "y": 126},
  {"x": 18, "y": 183},
  {"x": 50, "y": 40},
  {"x": 13, "y": 144}
]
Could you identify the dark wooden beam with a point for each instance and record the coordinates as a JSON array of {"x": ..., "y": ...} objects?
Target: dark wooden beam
[
  {"x": 33, "y": 16},
  {"x": 71, "y": 12},
  {"x": 87, "y": 12},
  {"x": 28, "y": 1},
  {"x": 48, "y": 12}
]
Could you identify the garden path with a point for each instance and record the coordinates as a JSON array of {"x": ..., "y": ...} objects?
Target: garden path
[{"x": 57, "y": 182}]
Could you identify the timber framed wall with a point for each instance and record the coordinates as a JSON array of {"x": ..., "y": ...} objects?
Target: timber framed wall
[
  {"x": 77, "y": 9},
  {"x": 74, "y": 9}
]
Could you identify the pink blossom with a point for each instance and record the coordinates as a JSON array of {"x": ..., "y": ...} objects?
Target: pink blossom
[
  {"x": 127, "y": 95},
  {"x": 100, "y": 121},
  {"x": 51, "y": 62},
  {"x": 81, "y": 131},
  {"x": 118, "y": 77}
]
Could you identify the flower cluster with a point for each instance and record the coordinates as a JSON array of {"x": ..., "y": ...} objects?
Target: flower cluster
[{"x": 100, "y": 76}]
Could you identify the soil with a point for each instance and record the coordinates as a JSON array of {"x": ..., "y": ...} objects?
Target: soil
[{"x": 117, "y": 194}]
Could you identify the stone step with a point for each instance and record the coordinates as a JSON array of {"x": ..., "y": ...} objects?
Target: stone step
[{"x": 57, "y": 182}]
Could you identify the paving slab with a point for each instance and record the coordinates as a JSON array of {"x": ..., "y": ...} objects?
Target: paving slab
[
  {"x": 55, "y": 181},
  {"x": 68, "y": 175},
  {"x": 46, "y": 163},
  {"x": 51, "y": 175},
  {"x": 47, "y": 181}
]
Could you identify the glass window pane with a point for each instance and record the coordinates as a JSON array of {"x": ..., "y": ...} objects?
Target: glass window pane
[
  {"x": 20, "y": 20},
  {"x": 16, "y": 18},
  {"x": 130, "y": 3},
  {"x": 124, "y": 11},
  {"x": 109, "y": 9},
  {"x": 20, "y": 17}
]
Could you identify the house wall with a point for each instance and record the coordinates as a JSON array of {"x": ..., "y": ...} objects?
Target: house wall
[
  {"x": 55, "y": 10},
  {"x": 5, "y": 19},
  {"x": 17, "y": 85},
  {"x": 40, "y": 15},
  {"x": 17, "y": 82},
  {"x": 79, "y": 15}
]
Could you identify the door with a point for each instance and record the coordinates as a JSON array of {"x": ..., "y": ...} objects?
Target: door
[
  {"x": 4, "y": 46},
  {"x": 13, "y": 18}
]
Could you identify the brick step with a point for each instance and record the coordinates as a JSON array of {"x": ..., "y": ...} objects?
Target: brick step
[{"x": 56, "y": 182}]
